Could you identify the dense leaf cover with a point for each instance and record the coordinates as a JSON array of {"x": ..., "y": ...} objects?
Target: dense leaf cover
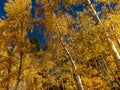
[{"x": 80, "y": 53}]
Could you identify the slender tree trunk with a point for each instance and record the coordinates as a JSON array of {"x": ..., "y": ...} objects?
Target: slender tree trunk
[
  {"x": 118, "y": 41},
  {"x": 79, "y": 81},
  {"x": 19, "y": 71},
  {"x": 115, "y": 52},
  {"x": 9, "y": 71},
  {"x": 111, "y": 71}
]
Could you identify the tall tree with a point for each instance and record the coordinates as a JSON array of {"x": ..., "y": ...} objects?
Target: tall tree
[{"x": 18, "y": 22}]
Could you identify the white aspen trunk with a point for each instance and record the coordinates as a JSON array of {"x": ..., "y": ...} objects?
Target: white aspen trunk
[
  {"x": 118, "y": 41},
  {"x": 115, "y": 52},
  {"x": 72, "y": 60},
  {"x": 108, "y": 67}
]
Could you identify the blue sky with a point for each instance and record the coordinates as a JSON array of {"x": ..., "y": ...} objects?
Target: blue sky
[{"x": 2, "y": 12}]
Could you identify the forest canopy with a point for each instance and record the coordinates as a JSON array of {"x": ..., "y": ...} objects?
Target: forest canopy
[{"x": 80, "y": 49}]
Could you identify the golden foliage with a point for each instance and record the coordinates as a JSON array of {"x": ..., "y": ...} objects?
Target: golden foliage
[{"x": 23, "y": 67}]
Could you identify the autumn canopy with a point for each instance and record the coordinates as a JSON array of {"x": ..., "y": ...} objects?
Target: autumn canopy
[{"x": 81, "y": 49}]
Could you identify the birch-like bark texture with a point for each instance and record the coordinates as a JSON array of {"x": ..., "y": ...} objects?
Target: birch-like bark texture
[
  {"x": 79, "y": 81},
  {"x": 118, "y": 41},
  {"x": 115, "y": 52}
]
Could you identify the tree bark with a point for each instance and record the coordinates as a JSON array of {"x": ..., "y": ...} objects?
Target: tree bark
[
  {"x": 19, "y": 71},
  {"x": 9, "y": 71}
]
